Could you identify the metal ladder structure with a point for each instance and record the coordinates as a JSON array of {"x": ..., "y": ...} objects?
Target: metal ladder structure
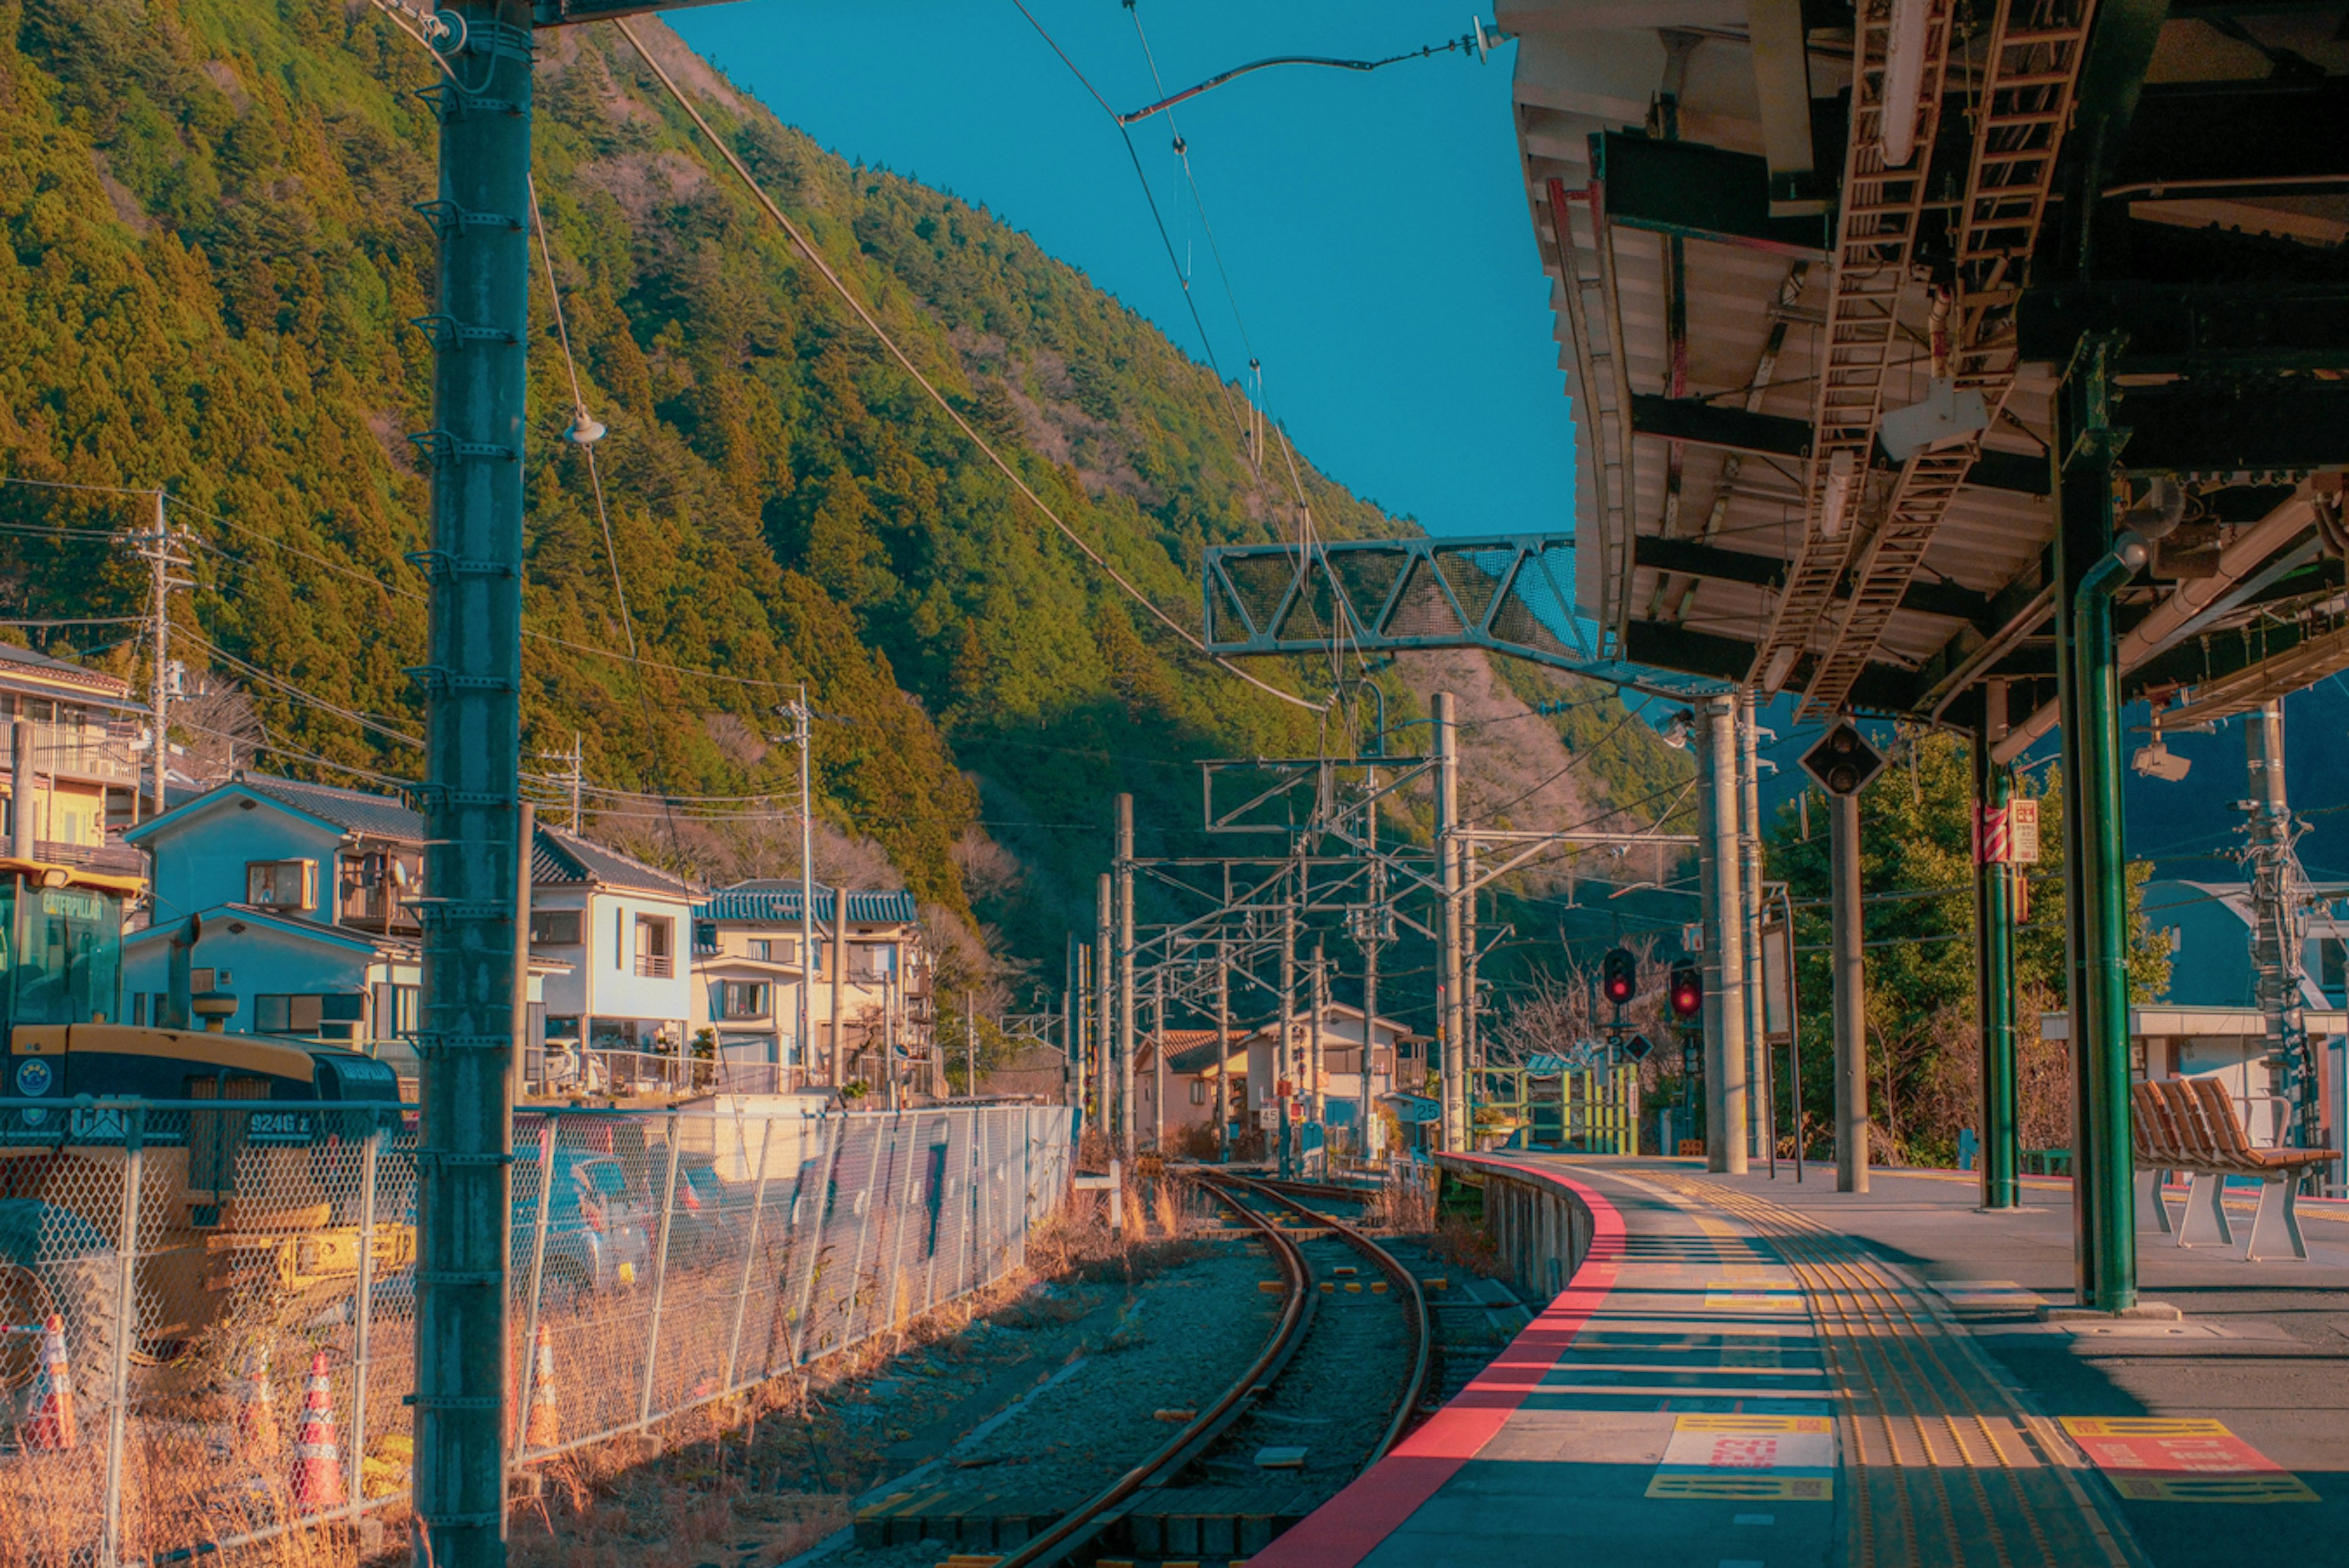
[
  {"x": 2030, "y": 76},
  {"x": 1603, "y": 380},
  {"x": 1876, "y": 235}
]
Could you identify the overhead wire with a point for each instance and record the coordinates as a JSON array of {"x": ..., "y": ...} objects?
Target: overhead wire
[{"x": 815, "y": 258}]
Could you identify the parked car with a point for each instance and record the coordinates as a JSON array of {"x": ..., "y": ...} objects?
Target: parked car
[{"x": 599, "y": 1228}]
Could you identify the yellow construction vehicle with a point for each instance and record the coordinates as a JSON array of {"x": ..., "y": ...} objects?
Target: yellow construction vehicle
[{"x": 235, "y": 1161}]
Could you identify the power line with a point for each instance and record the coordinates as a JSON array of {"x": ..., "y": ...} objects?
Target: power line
[{"x": 816, "y": 259}]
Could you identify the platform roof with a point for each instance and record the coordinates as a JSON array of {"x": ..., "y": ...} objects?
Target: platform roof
[{"x": 1706, "y": 271}]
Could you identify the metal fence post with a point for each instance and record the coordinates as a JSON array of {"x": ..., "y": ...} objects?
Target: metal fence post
[
  {"x": 546, "y": 1140},
  {"x": 816, "y": 1247},
  {"x": 363, "y": 1308},
  {"x": 125, "y": 1324},
  {"x": 750, "y": 1247},
  {"x": 660, "y": 1279},
  {"x": 866, "y": 1204}
]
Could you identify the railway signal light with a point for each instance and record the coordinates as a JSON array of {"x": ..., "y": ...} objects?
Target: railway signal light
[
  {"x": 1843, "y": 761},
  {"x": 1618, "y": 976},
  {"x": 1688, "y": 991},
  {"x": 1637, "y": 1048}
]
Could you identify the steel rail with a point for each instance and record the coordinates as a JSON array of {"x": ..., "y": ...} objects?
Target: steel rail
[
  {"x": 1422, "y": 1331},
  {"x": 1075, "y": 1528}
]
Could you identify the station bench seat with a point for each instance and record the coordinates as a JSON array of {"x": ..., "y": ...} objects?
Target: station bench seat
[{"x": 2189, "y": 1125}]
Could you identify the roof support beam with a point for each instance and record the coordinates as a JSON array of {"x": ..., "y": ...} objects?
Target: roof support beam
[
  {"x": 1698, "y": 193},
  {"x": 2174, "y": 329},
  {"x": 1702, "y": 423},
  {"x": 1693, "y": 559},
  {"x": 1668, "y": 645},
  {"x": 2190, "y": 428}
]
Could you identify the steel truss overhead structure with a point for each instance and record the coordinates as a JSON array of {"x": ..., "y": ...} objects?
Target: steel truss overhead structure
[
  {"x": 1505, "y": 593},
  {"x": 1986, "y": 366}
]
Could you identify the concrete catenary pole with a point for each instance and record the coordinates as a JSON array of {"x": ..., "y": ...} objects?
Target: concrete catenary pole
[
  {"x": 1720, "y": 862},
  {"x": 1284, "y": 1055},
  {"x": 1074, "y": 1071},
  {"x": 1369, "y": 1099},
  {"x": 527, "y": 830},
  {"x": 1125, "y": 1024},
  {"x": 1313, "y": 1108},
  {"x": 1223, "y": 1049},
  {"x": 2276, "y": 929},
  {"x": 472, "y": 796},
  {"x": 23, "y": 809},
  {"x": 1449, "y": 971},
  {"x": 1850, "y": 996},
  {"x": 1104, "y": 1010}
]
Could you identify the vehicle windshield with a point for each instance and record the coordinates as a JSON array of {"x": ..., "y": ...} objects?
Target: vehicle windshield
[{"x": 61, "y": 948}]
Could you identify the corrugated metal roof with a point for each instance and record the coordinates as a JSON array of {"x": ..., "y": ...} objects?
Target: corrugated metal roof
[
  {"x": 558, "y": 859},
  {"x": 354, "y": 810},
  {"x": 778, "y": 903}
]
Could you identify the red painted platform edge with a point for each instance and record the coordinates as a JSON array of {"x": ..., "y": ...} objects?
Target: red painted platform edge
[{"x": 1352, "y": 1525}]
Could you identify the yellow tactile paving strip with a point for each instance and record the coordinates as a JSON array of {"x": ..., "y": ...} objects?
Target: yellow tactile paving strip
[{"x": 1944, "y": 1465}]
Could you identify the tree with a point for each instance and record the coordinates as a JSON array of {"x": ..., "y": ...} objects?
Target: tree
[{"x": 1917, "y": 876}]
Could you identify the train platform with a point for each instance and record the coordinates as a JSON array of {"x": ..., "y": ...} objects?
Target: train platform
[{"x": 1746, "y": 1373}]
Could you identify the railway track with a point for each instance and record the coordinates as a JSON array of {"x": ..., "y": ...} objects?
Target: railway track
[{"x": 1336, "y": 1383}]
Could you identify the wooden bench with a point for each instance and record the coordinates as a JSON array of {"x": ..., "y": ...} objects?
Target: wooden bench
[{"x": 2191, "y": 1125}]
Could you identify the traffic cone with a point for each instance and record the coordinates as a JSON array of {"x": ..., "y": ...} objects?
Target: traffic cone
[
  {"x": 546, "y": 1427},
  {"x": 317, "y": 1460},
  {"x": 257, "y": 1436},
  {"x": 48, "y": 1410}
]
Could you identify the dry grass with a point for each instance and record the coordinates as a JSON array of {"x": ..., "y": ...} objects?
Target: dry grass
[
  {"x": 1404, "y": 1205},
  {"x": 1465, "y": 1244}
]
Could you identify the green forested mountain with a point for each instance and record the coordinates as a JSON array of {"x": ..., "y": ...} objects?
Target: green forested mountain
[{"x": 213, "y": 260}]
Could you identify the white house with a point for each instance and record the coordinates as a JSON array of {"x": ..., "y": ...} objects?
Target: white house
[{"x": 621, "y": 929}]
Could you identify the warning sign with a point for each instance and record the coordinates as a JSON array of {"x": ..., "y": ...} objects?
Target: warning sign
[
  {"x": 2022, "y": 831},
  {"x": 2165, "y": 1460},
  {"x": 1748, "y": 1456}
]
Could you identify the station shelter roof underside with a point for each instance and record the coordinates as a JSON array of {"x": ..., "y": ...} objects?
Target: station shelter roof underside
[{"x": 1745, "y": 283}]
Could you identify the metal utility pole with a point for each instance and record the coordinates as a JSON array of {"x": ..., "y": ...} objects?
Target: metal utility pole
[
  {"x": 1313, "y": 1107},
  {"x": 1449, "y": 970},
  {"x": 1761, "y": 1065},
  {"x": 1222, "y": 1050},
  {"x": 1472, "y": 1042},
  {"x": 803, "y": 733},
  {"x": 1083, "y": 1006},
  {"x": 1850, "y": 996},
  {"x": 1125, "y": 1030},
  {"x": 1994, "y": 920},
  {"x": 1103, "y": 1010},
  {"x": 1370, "y": 941},
  {"x": 1720, "y": 861},
  {"x": 2276, "y": 930},
  {"x": 970, "y": 1041},
  {"x": 1284, "y": 1072},
  {"x": 839, "y": 1052},
  {"x": 162, "y": 558},
  {"x": 1158, "y": 1055},
  {"x": 1075, "y": 1069},
  {"x": 472, "y": 797}
]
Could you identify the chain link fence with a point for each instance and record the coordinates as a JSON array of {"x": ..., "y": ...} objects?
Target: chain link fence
[{"x": 207, "y": 1309}]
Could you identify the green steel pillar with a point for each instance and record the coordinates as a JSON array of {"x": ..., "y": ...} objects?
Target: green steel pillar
[
  {"x": 2089, "y": 566},
  {"x": 1994, "y": 908},
  {"x": 472, "y": 687}
]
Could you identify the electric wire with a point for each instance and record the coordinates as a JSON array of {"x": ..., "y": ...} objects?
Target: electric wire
[{"x": 816, "y": 259}]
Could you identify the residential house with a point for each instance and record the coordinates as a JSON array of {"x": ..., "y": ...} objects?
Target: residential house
[
  {"x": 620, "y": 928},
  {"x": 870, "y": 990},
  {"x": 305, "y": 894},
  {"x": 85, "y": 732},
  {"x": 1249, "y": 1058}
]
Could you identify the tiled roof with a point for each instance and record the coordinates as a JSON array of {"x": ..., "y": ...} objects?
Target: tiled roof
[
  {"x": 354, "y": 810},
  {"x": 40, "y": 667},
  {"x": 557, "y": 859},
  {"x": 1194, "y": 1050},
  {"x": 775, "y": 903}
]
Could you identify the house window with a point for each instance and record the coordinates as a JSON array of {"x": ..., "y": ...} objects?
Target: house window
[
  {"x": 741, "y": 999},
  {"x": 201, "y": 980},
  {"x": 554, "y": 927},
  {"x": 281, "y": 884},
  {"x": 653, "y": 946},
  {"x": 762, "y": 949},
  {"x": 286, "y": 1014},
  {"x": 872, "y": 963},
  {"x": 1198, "y": 1091}
]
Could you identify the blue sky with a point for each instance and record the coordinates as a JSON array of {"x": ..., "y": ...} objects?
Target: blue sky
[{"x": 1373, "y": 226}]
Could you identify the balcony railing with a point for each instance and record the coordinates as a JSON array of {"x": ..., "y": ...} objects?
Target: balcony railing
[
  {"x": 120, "y": 859},
  {"x": 653, "y": 966}
]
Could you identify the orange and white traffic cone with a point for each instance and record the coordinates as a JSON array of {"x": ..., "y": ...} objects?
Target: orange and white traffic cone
[
  {"x": 48, "y": 1410},
  {"x": 317, "y": 1480},
  {"x": 257, "y": 1436},
  {"x": 546, "y": 1427}
]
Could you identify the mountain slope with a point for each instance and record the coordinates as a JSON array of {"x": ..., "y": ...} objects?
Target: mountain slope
[{"x": 213, "y": 260}]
